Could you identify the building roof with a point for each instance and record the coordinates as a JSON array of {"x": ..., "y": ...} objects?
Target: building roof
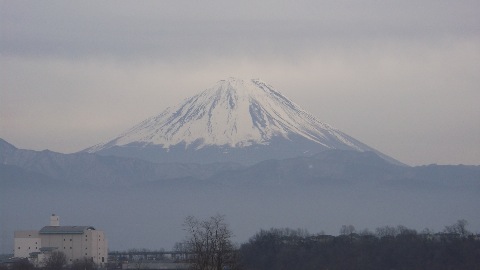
[{"x": 65, "y": 229}]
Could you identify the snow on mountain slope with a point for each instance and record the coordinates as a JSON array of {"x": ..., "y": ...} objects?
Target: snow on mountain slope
[{"x": 233, "y": 114}]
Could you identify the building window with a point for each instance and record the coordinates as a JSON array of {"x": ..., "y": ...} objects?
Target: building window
[
  {"x": 85, "y": 254},
  {"x": 70, "y": 239},
  {"x": 70, "y": 247}
]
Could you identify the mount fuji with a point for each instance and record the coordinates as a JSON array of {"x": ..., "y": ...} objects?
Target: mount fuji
[{"x": 244, "y": 121}]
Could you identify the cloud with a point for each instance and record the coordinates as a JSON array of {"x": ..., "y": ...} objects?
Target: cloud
[{"x": 172, "y": 29}]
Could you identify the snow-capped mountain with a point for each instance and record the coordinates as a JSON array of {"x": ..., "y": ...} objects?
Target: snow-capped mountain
[{"x": 235, "y": 120}]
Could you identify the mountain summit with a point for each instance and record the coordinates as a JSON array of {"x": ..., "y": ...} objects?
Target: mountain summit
[{"x": 235, "y": 120}]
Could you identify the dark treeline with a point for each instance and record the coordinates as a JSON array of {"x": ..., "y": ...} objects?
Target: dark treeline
[
  {"x": 386, "y": 248},
  {"x": 208, "y": 246}
]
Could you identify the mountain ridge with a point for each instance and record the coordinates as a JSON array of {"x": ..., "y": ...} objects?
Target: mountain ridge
[
  {"x": 330, "y": 166},
  {"x": 97, "y": 170}
]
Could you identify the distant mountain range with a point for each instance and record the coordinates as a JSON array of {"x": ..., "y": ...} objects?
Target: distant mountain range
[
  {"x": 19, "y": 167},
  {"x": 245, "y": 121},
  {"x": 95, "y": 170}
]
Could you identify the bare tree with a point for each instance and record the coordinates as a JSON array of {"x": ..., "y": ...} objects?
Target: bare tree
[
  {"x": 56, "y": 261},
  {"x": 84, "y": 264},
  {"x": 347, "y": 230},
  {"x": 460, "y": 228},
  {"x": 209, "y": 242},
  {"x": 386, "y": 231},
  {"x": 23, "y": 264}
]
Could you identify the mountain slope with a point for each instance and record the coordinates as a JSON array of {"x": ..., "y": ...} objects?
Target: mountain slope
[
  {"x": 14, "y": 176},
  {"x": 235, "y": 120},
  {"x": 351, "y": 169},
  {"x": 19, "y": 165}
]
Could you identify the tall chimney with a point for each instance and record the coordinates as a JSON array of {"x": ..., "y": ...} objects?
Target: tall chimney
[{"x": 54, "y": 220}]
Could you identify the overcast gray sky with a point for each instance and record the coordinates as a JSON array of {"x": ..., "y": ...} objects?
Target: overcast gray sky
[{"x": 400, "y": 76}]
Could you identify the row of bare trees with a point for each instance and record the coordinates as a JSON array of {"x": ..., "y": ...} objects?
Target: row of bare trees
[
  {"x": 57, "y": 260},
  {"x": 208, "y": 246},
  {"x": 388, "y": 247}
]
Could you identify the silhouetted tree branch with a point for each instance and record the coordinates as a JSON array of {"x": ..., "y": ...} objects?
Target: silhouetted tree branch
[
  {"x": 210, "y": 243},
  {"x": 56, "y": 261}
]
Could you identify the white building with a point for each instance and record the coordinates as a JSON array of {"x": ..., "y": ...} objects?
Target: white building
[{"x": 77, "y": 242}]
